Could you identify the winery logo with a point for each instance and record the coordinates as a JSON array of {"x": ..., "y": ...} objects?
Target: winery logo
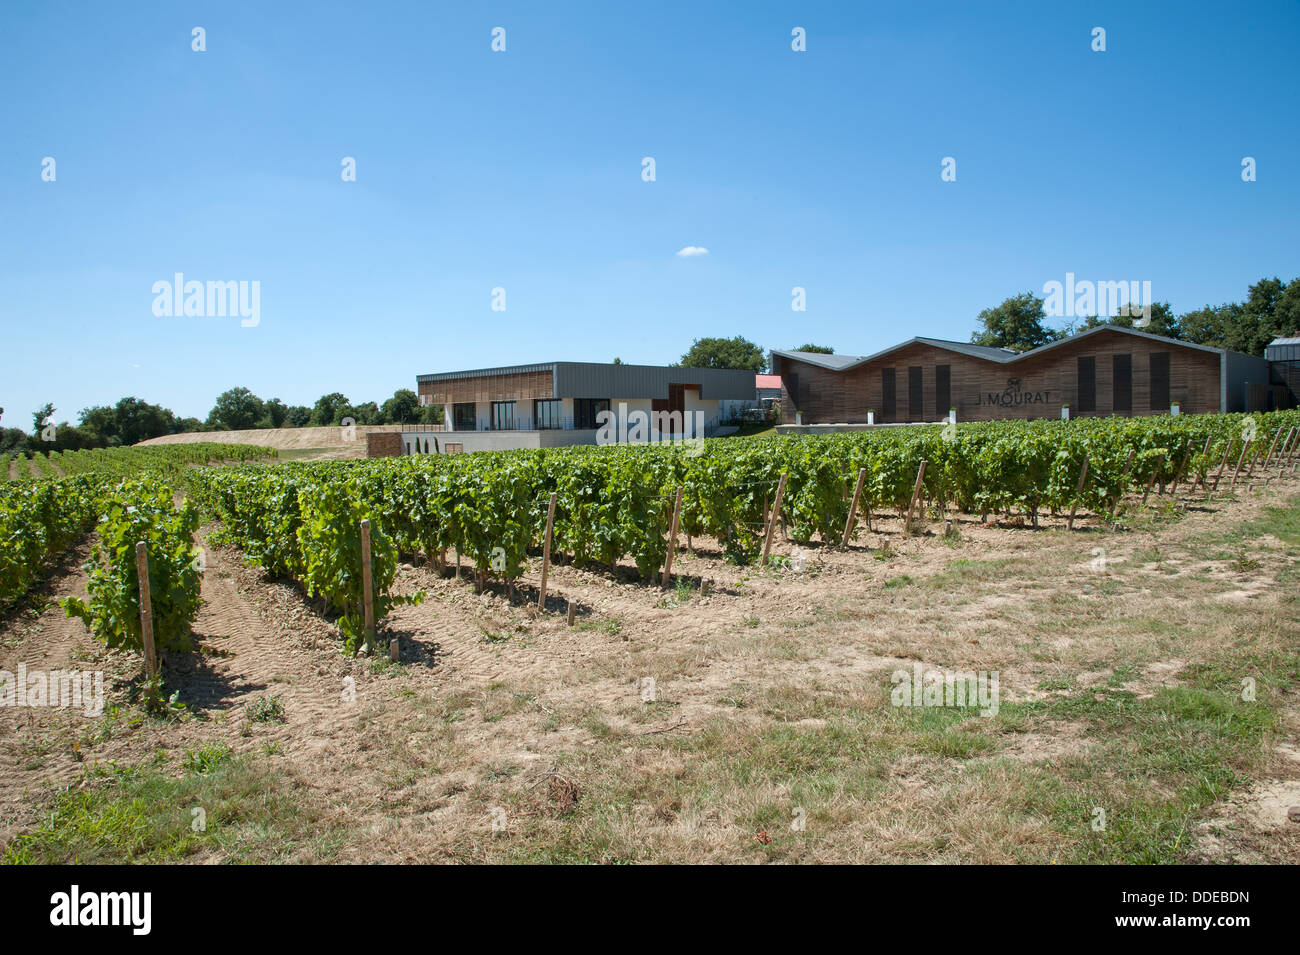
[{"x": 1013, "y": 396}]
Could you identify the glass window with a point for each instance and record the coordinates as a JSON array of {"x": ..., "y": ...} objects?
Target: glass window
[
  {"x": 585, "y": 411},
  {"x": 503, "y": 416},
  {"x": 546, "y": 414},
  {"x": 464, "y": 417}
]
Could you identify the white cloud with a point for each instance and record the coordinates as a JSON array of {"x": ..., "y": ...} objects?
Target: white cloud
[{"x": 693, "y": 250}]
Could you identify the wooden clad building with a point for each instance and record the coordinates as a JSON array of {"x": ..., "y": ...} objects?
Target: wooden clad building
[
  {"x": 1103, "y": 371},
  {"x": 570, "y": 396}
]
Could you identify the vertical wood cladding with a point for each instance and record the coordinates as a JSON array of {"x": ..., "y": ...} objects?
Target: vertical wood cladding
[
  {"x": 983, "y": 390},
  {"x": 488, "y": 388}
]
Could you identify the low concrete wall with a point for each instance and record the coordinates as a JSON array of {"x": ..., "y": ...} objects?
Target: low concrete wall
[{"x": 493, "y": 440}]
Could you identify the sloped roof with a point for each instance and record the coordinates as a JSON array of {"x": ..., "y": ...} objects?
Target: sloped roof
[
  {"x": 833, "y": 362},
  {"x": 1002, "y": 356}
]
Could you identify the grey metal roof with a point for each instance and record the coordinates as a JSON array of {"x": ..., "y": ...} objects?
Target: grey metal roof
[
  {"x": 833, "y": 362},
  {"x": 1002, "y": 356},
  {"x": 578, "y": 379},
  {"x": 484, "y": 372},
  {"x": 975, "y": 351},
  {"x": 1285, "y": 341}
]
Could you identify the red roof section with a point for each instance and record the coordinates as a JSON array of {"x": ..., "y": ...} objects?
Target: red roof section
[{"x": 767, "y": 381}]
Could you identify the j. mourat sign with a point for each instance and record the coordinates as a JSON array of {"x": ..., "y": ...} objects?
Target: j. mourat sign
[{"x": 1013, "y": 396}]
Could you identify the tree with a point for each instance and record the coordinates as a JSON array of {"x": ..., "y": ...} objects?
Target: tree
[
  {"x": 1160, "y": 322},
  {"x": 1017, "y": 323},
  {"x": 1213, "y": 325},
  {"x": 366, "y": 413},
  {"x": 1271, "y": 309},
  {"x": 298, "y": 416},
  {"x": 735, "y": 352},
  {"x": 403, "y": 406},
  {"x": 330, "y": 409},
  {"x": 1163, "y": 321},
  {"x": 815, "y": 349},
  {"x": 276, "y": 412},
  {"x": 42, "y": 416},
  {"x": 1288, "y": 311},
  {"x": 432, "y": 414},
  {"x": 101, "y": 422},
  {"x": 236, "y": 409},
  {"x": 137, "y": 420},
  {"x": 1261, "y": 318}
]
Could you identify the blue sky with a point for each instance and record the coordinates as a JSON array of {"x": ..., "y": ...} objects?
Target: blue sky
[{"x": 522, "y": 170}]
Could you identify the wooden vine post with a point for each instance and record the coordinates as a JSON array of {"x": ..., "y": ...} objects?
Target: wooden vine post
[
  {"x": 772, "y": 519},
  {"x": 672, "y": 536},
  {"x": 546, "y": 552},
  {"x": 1271, "y": 448},
  {"x": 367, "y": 592},
  {"x": 1244, "y": 448},
  {"x": 1155, "y": 471},
  {"x": 146, "y": 609},
  {"x": 916, "y": 492},
  {"x": 1284, "y": 450},
  {"x": 1128, "y": 471},
  {"x": 1201, "y": 475},
  {"x": 1284, "y": 456},
  {"x": 1083, "y": 476},
  {"x": 1255, "y": 460},
  {"x": 853, "y": 508},
  {"x": 1178, "y": 475},
  {"x": 1226, "y": 452}
]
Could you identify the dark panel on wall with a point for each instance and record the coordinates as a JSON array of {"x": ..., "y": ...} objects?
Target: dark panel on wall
[
  {"x": 942, "y": 389},
  {"x": 1122, "y": 384},
  {"x": 1087, "y": 402},
  {"x": 1159, "y": 381},
  {"x": 915, "y": 394},
  {"x": 888, "y": 394}
]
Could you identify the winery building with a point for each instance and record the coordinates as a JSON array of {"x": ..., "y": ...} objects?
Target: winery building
[
  {"x": 560, "y": 403},
  {"x": 1107, "y": 370}
]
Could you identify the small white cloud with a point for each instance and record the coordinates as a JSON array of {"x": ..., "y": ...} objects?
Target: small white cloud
[{"x": 693, "y": 250}]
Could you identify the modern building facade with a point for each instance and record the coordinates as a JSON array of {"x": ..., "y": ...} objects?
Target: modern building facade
[
  {"x": 562, "y": 402},
  {"x": 1103, "y": 371}
]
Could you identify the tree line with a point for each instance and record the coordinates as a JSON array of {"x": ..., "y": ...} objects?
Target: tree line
[
  {"x": 1271, "y": 310},
  {"x": 132, "y": 420}
]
